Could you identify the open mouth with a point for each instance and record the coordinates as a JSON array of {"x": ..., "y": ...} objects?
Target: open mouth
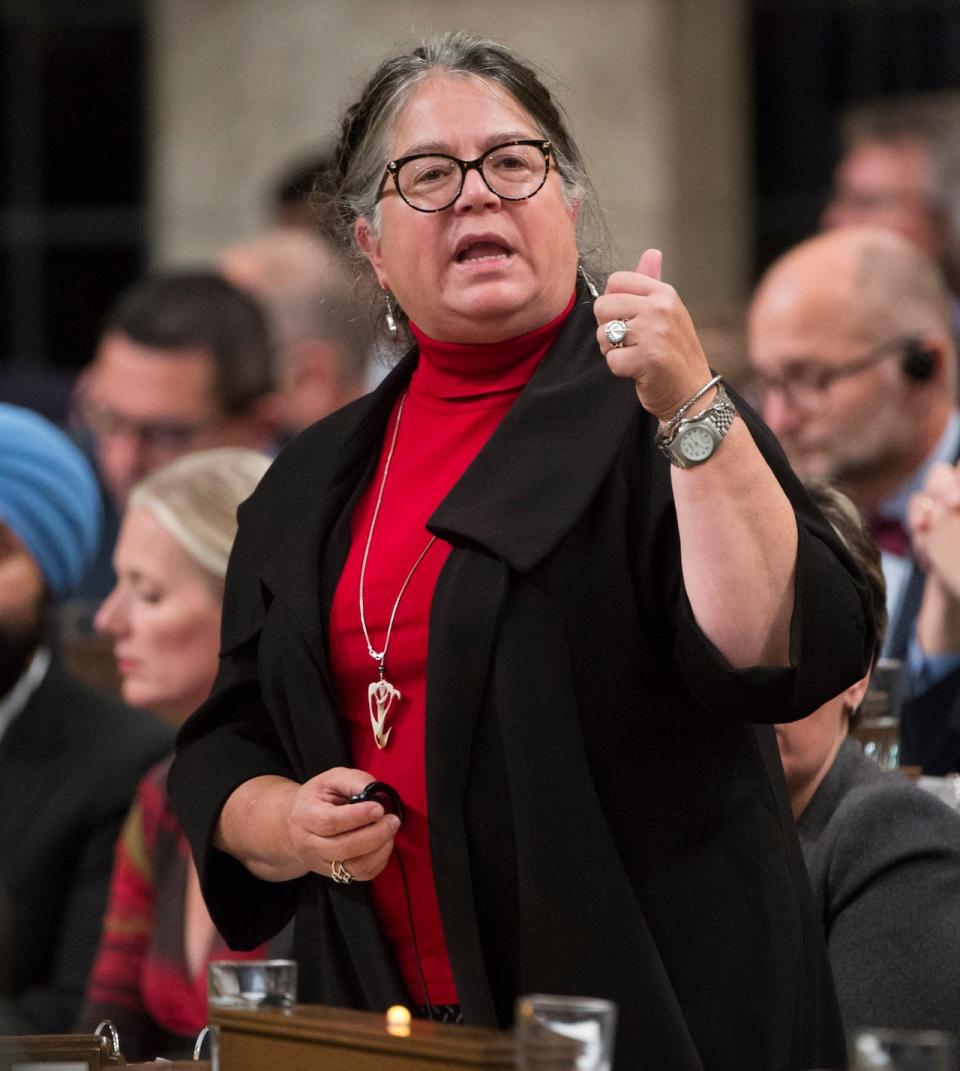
[{"x": 484, "y": 251}]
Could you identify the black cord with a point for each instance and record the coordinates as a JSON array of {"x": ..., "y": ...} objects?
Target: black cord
[
  {"x": 413, "y": 930},
  {"x": 388, "y": 798}
]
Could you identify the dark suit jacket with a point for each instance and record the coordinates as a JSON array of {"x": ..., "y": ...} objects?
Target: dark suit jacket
[
  {"x": 603, "y": 820},
  {"x": 69, "y": 765},
  {"x": 930, "y": 721},
  {"x": 884, "y": 859},
  {"x": 930, "y": 728}
]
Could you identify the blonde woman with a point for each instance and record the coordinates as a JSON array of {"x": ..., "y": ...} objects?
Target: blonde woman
[{"x": 163, "y": 615}]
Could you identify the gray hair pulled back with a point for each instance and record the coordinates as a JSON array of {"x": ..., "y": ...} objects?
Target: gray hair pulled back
[{"x": 362, "y": 151}]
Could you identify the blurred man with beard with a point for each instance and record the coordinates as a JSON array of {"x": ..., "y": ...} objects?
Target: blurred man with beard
[
  {"x": 855, "y": 368},
  {"x": 70, "y": 758}
]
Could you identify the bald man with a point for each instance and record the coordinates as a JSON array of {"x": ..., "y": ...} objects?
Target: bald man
[
  {"x": 853, "y": 354},
  {"x": 321, "y": 332}
]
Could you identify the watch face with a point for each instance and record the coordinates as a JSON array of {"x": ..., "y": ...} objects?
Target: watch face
[{"x": 696, "y": 443}]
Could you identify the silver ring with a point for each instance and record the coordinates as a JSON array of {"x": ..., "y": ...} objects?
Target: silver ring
[
  {"x": 339, "y": 873},
  {"x": 616, "y": 332}
]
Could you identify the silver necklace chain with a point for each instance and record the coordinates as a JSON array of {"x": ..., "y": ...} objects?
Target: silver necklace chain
[{"x": 380, "y": 656}]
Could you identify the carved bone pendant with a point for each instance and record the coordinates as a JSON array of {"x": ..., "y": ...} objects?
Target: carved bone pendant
[{"x": 381, "y": 695}]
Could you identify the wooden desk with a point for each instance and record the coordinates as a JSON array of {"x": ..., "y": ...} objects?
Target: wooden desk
[
  {"x": 79, "y": 1050},
  {"x": 164, "y": 1065},
  {"x": 309, "y": 1037}
]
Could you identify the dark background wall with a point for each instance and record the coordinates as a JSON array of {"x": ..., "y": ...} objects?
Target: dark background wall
[
  {"x": 72, "y": 152},
  {"x": 813, "y": 58}
]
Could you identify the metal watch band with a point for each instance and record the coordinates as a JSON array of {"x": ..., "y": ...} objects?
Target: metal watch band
[{"x": 721, "y": 414}]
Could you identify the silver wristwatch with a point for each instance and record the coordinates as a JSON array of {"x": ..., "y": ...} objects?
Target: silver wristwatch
[{"x": 693, "y": 440}]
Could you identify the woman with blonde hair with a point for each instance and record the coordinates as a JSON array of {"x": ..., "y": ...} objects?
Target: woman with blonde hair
[{"x": 149, "y": 975}]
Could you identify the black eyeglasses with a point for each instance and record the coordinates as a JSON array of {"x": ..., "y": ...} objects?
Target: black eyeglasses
[
  {"x": 431, "y": 182},
  {"x": 161, "y": 437},
  {"x": 803, "y": 382}
]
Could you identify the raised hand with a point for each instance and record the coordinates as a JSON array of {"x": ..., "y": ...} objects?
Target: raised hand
[
  {"x": 660, "y": 351},
  {"x": 933, "y": 517}
]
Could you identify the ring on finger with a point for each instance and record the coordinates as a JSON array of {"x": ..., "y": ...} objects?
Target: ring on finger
[
  {"x": 339, "y": 873},
  {"x": 616, "y": 332}
]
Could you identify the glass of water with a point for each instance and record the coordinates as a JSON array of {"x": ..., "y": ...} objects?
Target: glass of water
[
  {"x": 556, "y": 1033},
  {"x": 877, "y": 725},
  {"x": 252, "y": 983},
  {"x": 902, "y": 1050}
]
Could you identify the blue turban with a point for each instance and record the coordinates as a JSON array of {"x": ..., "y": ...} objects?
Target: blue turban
[{"x": 49, "y": 497}]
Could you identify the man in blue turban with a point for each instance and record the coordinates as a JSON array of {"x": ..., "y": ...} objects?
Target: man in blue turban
[{"x": 70, "y": 757}]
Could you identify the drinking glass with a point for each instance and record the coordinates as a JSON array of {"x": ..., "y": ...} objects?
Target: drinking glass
[
  {"x": 556, "y": 1033},
  {"x": 249, "y": 983},
  {"x": 877, "y": 725},
  {"x": 252, "y": 983},
  {"x": 902, "y": 1050}
]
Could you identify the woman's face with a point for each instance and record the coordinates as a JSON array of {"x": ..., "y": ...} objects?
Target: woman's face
[
  {"x": 482, "y": 270},
  {"x": 163, "y": 618}
]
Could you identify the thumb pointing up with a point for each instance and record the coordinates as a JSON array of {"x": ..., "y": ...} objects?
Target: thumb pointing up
[{"x": 650, "y": 263}]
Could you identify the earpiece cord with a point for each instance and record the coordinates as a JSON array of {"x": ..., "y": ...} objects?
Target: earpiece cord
[{"x": 413, "y": 930}]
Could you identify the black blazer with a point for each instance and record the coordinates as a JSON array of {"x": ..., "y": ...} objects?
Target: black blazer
[
  {"x": 603, "y": 818},
  {"x": 930, "y": 728},
  {"x": 69, "y": 765}
]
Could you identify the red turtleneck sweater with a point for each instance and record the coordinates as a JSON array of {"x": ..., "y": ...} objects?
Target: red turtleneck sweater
[{"x": 458, "y": 395}]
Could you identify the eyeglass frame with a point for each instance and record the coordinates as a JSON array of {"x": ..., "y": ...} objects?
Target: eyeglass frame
[
  {"x": 160, "y": 437},
  {"x": 393, "y": 169},
  {"x": 823, "y": 378}
]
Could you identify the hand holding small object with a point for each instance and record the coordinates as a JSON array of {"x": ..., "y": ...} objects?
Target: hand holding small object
[{"x": 346, "y": 843}]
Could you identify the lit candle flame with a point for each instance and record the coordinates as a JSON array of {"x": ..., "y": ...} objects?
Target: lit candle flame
[{"x": 398, "y": 1021}]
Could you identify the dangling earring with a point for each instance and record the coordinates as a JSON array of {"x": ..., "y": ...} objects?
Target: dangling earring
[
  {"x": 392, "y": 328},
  {"x": 594, "y": 292}
]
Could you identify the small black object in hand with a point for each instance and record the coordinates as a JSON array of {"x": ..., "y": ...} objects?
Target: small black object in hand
[{"x": 382, "y": 793}]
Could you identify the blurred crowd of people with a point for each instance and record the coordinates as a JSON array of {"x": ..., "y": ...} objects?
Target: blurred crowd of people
[
  {"x": 201, "y": 376},
  {"x": 121, "y": 522}
]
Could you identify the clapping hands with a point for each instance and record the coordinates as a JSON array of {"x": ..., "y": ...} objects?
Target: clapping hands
[{"x": 933, "y": 518}]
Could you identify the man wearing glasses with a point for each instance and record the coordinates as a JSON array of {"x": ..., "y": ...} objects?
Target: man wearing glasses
[
  {"x": 184, "y": 363},
  {"x": 855, "y": 372},
  {"x": 899, "y": 170}
]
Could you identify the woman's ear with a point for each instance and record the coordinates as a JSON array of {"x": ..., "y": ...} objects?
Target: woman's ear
[
  {"x": 853, "y": 696},
  {"x": 369, "y": 244}
]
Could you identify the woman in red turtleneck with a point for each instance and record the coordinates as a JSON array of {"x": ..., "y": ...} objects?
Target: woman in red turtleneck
[
  {"x": 456, "y": 397},
  {"x": 545, "y": 603}
]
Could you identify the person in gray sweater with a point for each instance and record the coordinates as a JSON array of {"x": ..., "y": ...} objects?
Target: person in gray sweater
[{"x": 883, "y": 855}]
